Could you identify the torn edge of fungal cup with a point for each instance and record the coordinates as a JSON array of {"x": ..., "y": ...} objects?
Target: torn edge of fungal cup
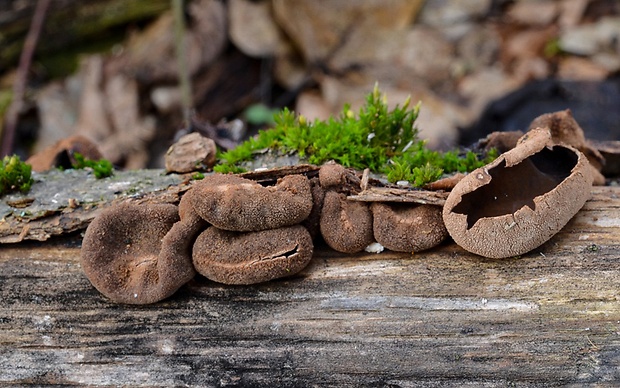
[{"x": 534, "y": 189}]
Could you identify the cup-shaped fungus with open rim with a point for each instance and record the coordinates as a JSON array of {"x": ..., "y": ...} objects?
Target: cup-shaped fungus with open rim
[
  {"x": 237, "y": 204},
  {"x": 520, "y": 200},
  {"x": 408, "y": 227},
  {"x": 252, "y": 257},
  {"x": 138, "y": 253}
]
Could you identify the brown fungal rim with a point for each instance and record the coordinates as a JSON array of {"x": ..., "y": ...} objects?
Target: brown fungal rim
[
  {"x": 532, "y": 210},
  {"x": 511, "y": 187}
]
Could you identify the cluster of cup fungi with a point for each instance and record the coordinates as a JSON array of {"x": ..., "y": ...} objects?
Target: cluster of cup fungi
[{"x": 234, "y": 230}]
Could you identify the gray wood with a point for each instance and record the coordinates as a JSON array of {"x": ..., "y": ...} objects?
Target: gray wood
[
  {"x": 62, "y": 202},
  {"x": 434, "y": 319}
]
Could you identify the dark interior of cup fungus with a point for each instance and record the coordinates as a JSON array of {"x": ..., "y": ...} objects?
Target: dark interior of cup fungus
[{"x": 511, "y": 188}]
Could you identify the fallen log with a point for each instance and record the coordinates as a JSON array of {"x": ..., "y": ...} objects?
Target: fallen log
[{"x": 444, "y": 317}]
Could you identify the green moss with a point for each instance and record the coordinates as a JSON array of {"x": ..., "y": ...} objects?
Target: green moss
[
  {"x": 417, "y": 176},
  {"x": 198, "y": 176},
  {"x": 377, "y": 138},
  {"x": 15, "y": 175},
  {"x": 102, "y": 168},
  {"x": 553, "y": 48},
  {"x": 414, "y": 166},
  {"x": 367, "y": 139}
]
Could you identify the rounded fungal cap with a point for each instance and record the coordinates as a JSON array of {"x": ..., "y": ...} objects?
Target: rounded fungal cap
[
  {"x": 129, "y": 255},
  {"x": 252, "y": 257},
  {"x": 408, "y": 228},
  {"x": 238, "y": 204},
  {"x": 346, "y": 226},
  {"x": 332, "y": 174},
  {"x": 520, "y": 200}
]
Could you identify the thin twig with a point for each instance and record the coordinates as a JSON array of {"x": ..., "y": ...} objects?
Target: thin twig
[
  {"x": 179, "y": 42},
  {"x": 19, "y": 87}
]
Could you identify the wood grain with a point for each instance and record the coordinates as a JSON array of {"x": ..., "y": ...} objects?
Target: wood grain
[{"x": 434, "y": 319}]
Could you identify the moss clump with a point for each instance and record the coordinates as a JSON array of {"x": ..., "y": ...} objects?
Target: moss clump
[
  {"x": 15, "y": 175},
  {"x": 377, "y": 138},
  {"x": 421, "y": 165},
  {"x": 198, "y": 176},
  {"x": 368, "y": 139},
  {"x": 102, "y": 168}
]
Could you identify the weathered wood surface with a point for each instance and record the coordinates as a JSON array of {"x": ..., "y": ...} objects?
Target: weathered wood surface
[
  {"x": 435, "y": 319},
  {"x": 62, "y": 202}
]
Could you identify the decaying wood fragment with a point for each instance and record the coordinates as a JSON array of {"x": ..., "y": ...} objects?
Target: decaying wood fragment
[
  {"x": 443, "y": 317},
  {"x": 62, "y": 202},
  {"x": 273, "y": 174},
  {"x": 393, "y": 194},
  {"x": 445, "y": 184}
]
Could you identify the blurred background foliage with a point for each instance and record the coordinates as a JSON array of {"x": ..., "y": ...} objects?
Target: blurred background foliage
[{"x": 107, "y": 69}]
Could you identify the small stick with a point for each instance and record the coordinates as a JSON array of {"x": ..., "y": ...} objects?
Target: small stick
[
  {"x": 25, "y": 59},
  {"x": 390, "y": 194},
  {"x": 179, "y": 42},
  {"x": 365, "y": 177}
]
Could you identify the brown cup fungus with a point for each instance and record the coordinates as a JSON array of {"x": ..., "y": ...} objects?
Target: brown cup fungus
[
  {"x": 408, "y": 228},
  {"x": 237, "y": 204},
  {"x": 138, "y": 254},
  {"x": 565, "y": 130},
  {"x": 332, "y": 174},
  {"x": 346, "y": 226},
  {"x": 520, "y": 200},
  {"x": 252, "y": 257},
  {"x": 312, "y": 223}
]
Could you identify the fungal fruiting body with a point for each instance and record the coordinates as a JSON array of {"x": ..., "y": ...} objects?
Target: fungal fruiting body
[
  {"x": 408, "y": 228},
  {"x": 312, "y": 222},
  {"x": 255, "y": 234},
  {"x": 346, "y": 226},
  {"x": 237, "y": 204},
  {"x": 252, "y": 257},
  {"x": 565, "y": 129},
  {"x": 520, "y": 200},
  {"x": 130, "y": 257}
]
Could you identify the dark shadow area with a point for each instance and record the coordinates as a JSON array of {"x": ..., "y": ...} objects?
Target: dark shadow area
[{"x": 595, "y": 106}]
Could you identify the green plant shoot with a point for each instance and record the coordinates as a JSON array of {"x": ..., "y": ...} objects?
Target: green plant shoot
[
  {"x": 15, "y": 175},
  {"x": 102, "y": 168}
]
